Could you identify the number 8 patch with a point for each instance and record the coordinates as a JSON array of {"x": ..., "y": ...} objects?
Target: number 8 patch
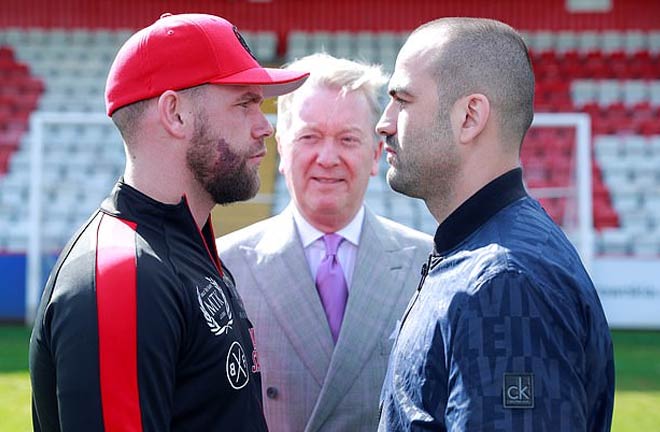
[{"x": 237, "y": 367}]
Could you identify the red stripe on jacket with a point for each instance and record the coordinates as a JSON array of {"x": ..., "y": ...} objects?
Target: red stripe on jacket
[{"x": 117, "y": 324}]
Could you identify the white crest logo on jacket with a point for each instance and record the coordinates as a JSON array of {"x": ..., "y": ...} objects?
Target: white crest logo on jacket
[{"x": 215, "y": 308}]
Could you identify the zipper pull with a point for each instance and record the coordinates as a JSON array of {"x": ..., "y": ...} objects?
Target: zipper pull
[{"x": 425, "y": 272}]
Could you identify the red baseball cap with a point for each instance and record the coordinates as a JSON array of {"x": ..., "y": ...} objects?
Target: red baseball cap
[{"x": 187, "y": 50}]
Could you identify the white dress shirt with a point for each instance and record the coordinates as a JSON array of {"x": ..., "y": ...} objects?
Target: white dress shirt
[{"x": 312, "y": 241}]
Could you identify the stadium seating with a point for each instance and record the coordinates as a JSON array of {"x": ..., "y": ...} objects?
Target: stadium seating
[
  {"x": 612, "y": 75},
  {"x": 70, "y": 67},
  {"x": 615, "y": 77},
  {"x": 380, "y": 48}
]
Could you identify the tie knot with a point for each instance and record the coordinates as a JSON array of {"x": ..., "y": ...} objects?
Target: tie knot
[{"x": 332, "y": 242}]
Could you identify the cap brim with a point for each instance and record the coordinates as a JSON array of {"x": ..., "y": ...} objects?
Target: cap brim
[{"x": 275, "y": 82}]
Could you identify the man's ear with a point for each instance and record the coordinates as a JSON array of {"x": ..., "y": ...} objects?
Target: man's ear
[
  {"x": 474, "y": 112},
  {"x": 278, "y": 140},
  {"x": 378, "y": 151},
  {"x": 174, "y": 119}
]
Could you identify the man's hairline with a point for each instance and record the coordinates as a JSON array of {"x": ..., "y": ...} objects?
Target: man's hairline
[{"x": 329, "y": 86}]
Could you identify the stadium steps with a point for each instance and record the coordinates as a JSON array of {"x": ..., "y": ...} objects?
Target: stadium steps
[
  {"x": 610, "y": 75},
  {"x": 73, "y": 64},
  {"x": 618, "y": 70},
  {"x": 19, "y": 94}
]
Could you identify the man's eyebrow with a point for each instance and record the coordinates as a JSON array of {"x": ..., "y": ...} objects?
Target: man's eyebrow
[
  {"x": 251, "y": 97},
  {"x": 308, "y": 127},
  {"x": 398, "y": 91},
  {"x": 351, "y": 129},
  {"x": 314, "y": 128}
]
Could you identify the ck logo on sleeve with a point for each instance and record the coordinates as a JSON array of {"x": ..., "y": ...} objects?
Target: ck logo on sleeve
[{"x": 518, "y": 391}]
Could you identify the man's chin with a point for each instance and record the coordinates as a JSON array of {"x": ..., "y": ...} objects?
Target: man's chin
[
  {"x": 397, "y": 184},
  {"x": 240, "y": 192}
]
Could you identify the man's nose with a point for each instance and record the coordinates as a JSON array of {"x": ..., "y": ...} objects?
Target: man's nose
[
  {"x": 328, "y": 152},
  {"x": 387, "y": 124},
  {"x": 263, "y": 128}
]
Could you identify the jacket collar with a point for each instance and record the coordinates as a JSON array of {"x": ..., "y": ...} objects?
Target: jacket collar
[
  {"x": 480, "y": 207},
  {"x": 128, "y": 203}
]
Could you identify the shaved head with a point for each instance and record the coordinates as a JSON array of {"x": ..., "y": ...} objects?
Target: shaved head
[{"x": 469, "y": 55}]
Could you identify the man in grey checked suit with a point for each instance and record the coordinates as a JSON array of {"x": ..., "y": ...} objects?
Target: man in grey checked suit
[{"x": 328, "y": 150}]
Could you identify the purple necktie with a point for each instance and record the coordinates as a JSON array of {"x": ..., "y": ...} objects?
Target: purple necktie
[{"x": 331, "y": 284}]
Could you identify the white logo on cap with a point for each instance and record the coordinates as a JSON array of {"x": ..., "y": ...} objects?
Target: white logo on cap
[{"x": 242, "y": 41}]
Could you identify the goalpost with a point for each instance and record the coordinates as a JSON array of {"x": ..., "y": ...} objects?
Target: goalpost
[
  {"x": 580, "y": 191},
  {"x": 582, "y": 234},
  {"x": 34, "y": 254}
]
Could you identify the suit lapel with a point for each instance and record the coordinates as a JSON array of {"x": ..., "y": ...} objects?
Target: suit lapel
[
  {"x": 376, "y": 288},
  {"x": 284, "y": 280}
]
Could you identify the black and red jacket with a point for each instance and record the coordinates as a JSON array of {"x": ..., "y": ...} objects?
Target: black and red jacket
[{"x": 141, "y": 329}]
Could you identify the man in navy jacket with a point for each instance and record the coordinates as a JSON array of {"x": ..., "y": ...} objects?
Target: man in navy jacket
[{"x": 506, "y": 331}]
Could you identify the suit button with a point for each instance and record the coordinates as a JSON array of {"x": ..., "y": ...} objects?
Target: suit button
[{"x": 271, "y": 392}]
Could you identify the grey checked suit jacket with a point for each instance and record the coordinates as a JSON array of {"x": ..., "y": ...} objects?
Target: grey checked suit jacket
[{"x": 309, "y": 384}]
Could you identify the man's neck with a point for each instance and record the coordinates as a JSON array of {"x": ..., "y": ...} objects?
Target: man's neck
[{"x": 170, "y": 191}]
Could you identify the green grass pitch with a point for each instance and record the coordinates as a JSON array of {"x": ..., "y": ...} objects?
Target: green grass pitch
[{"x": 637, "y": 380}]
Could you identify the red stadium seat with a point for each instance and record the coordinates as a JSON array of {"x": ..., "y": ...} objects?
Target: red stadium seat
[
  {"x": 19, "y": 95},
  {"x": 605, "y": 217}
]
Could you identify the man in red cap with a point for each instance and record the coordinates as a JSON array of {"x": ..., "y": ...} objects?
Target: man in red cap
[{"x": 140, "y": 327}]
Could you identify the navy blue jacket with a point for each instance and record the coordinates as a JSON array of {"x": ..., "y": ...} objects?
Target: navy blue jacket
[
  {"x": 141, "y": 329},
  {"x": 506, "y": 332}
]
